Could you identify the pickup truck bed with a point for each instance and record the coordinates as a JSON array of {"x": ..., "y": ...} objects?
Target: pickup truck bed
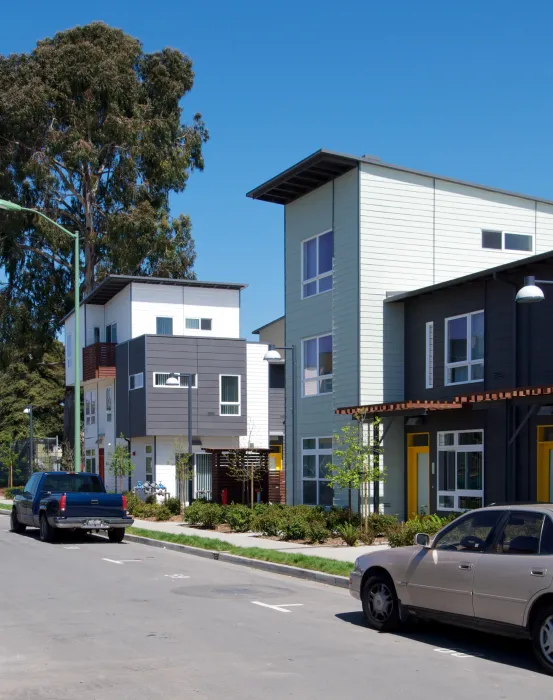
[{"x": 67, "y": 501}]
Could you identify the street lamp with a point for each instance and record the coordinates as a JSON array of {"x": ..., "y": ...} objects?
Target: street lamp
[
  {"x": 531, "y": 293},
  {"x": 272, "y": 354},
  {"x": 174, "y": 380},
  {"x": 29, "y": 411},
  {"x": 11, "y": 206}
]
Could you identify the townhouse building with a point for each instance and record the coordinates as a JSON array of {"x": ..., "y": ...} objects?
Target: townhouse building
[{"x": 356, "y": 230}]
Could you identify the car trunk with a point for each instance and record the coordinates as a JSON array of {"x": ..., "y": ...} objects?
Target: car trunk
[{"x": 94, "y": 505}]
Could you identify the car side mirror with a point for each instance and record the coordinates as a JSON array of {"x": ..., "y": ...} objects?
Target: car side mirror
[{"x": 422, "y": 539}]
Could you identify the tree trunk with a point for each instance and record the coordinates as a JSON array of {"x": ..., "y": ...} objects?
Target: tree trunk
[{"x": 349, "y": 505}]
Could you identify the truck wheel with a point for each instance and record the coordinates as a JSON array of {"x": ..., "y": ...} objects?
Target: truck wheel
[
  {"x": 15, "y": 525},
  {"x": 47, "y": 532},
  {"x": 116, "y": 534}
]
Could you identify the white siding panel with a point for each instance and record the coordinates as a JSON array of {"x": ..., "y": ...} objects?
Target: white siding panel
[
  {"x": 544, "y": 227},
  {"x": 220, "y": 305},
  {"x": 257, "y": 397},
  {"x": 118, "y": 310},
  {"x": 165, "y": 464},
  {"x": 94, "y": 317}
]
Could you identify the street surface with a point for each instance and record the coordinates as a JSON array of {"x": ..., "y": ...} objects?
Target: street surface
[{"x": 85, "y": 619}]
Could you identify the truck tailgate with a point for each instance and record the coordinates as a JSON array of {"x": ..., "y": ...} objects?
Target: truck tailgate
[{"x": 94, "y": 505}]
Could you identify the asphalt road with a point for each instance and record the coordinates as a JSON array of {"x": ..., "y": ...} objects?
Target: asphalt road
[{"x": 76, "y": 624}]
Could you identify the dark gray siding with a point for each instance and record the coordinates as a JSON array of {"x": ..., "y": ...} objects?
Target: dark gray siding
[
  {"x": 130, "y": 405},
  {"x": 276, "y": 410},
  {"x": 167, "y": 409}
]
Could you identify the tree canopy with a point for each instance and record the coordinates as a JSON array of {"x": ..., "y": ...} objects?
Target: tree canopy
[{"x": 91, "y": 133}]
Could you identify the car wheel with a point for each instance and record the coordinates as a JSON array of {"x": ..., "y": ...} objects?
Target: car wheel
[
  {"x": 47, "y": 532},
  {"x": 116, "y": 534},
  {"x": 542, "y": 638},
  {"x": 380, "y": 603},
  {"x": 15, "y": 525}
]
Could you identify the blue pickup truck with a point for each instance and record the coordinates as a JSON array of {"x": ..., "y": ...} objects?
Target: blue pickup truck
[{"x": 54, "y": 501}]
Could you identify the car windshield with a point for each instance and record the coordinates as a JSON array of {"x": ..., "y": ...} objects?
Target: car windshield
[
  {"x": 470, "y": 533},
  {"x": 72, "y": 483}
]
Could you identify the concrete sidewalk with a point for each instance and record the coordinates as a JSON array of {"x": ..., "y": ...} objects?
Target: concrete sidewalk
[{"x": 250, "y": 539}]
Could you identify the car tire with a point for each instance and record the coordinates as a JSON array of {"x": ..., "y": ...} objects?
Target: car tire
[
  {"x": 116, "y": 534},
  {"x": 380, "y": 603},
  {"x": 542, "y": 638},
  {"x": 15, "y": 525},
  {"x": 47, "y": 532}
]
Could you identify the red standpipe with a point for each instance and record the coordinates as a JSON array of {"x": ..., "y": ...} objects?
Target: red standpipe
[{"x": 224, "y": 497}]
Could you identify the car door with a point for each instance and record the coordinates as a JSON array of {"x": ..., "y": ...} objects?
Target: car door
[
  {"x": 25, "y": 501},
  {"x": 441, "y": 578},
  {"x": 517, "y": 567}
]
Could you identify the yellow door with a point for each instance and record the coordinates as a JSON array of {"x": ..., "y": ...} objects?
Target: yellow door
[
  {"x": 275, "y": 458},
  {"x": 418, "y": 474},
  {"x": 545, "y": 464}
]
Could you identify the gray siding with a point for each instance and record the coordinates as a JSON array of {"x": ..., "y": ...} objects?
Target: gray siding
[
  {"x": 276, "y": 411},
  {"x": 167, "y": 409},
  {"x": 130, "y": 406}
]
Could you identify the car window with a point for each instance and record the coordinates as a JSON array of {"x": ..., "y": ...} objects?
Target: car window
[
  {"x": 472, "y": 533},
  {"x": 521, "y": 533},
  {"x": 31, "y": 485},
  {"x": 72, "y": 483},
  {"x": 546, "y": 544}
]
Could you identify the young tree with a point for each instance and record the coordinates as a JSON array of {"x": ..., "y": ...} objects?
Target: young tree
[
  {"x": 121, "y": 463},
  {"x": 356, "y": 459},
  {"x": 184, "y": 467},
  {"x": 8, "y": 459},
  {"x": 93, "y": 136},
  {"x": 244, "y": 466}
]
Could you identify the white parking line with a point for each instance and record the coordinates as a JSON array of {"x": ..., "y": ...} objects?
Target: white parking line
[
  {"x": 176, "y": 576},
  {"x": 281, "y": 608},
  {"x": 112, "y": 561},
  {"x": 457, "y": 654},
  {"x": 71, "y": 547}
]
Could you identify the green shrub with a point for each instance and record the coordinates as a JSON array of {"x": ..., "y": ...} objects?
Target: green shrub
[
  {"x": 174, "y": 505},
  {"x": 267, "y": 523},
  {"x": 146, "y": 510},
  {"x": 317, "y": 532},
  {"x": 403, "y": 535},
  {"x": 367, "y": 536},
  {"x": 294, "y": 528},
  {"x": 382, "y": 524},
  {"x": 238, "y": 517},
  {"x": 336, "y": 517},
  {"x": 150, "y": 500},
  {"x": 11, "y": 491},
  {"x": 349, "y": 533},
  {"x": 203, "y": 514},
  {"x": 163, "y": 513},
  {"x": 133, "y": 502}
]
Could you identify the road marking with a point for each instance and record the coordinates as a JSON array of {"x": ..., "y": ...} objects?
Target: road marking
[
  {"x": 72, "y": 547},
  {"x": 112, "y": 561},
  {"x": 176, "y": 576},
  {"x": 457, "y": 654},
  {"x": 281, "y": 608}
]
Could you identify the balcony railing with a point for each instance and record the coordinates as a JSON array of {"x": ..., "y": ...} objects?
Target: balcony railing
[{"x": 99, "y": 361}]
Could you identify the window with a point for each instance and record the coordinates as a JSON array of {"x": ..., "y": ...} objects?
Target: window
[
  {"x": 473, "y": 532},
  {"x": 464, "y": 348},
  {"x": 96, "y": 334},
  {"x": 317, "y": 254},
  {"x": 69, "y": 350},
  {"x": 506, "y": 240},
  {"x": 111, "y": 333},
  {"x": 90, "y": 461},
  {"x": 198, "y": 323},
  {"x": 32, "y": 484},
  {"x": 276, "y": 376},
  {"x": 90, "y": 407},
  {"x": 461, "y": 470},
  {"x": 160, "y": 380},
  {"x": 149, "y": 449},
  {"x": 108, "y": 404},
  {"x": 317, "y": 365},
  {"x": 521, "y": 533},
  {"x": 136, "y": 381},
  {"x": 317, "y": 468},
  {"x": 230, "y": 395},
  {"x": 430, "y": 355},
  {"x": 164, "y": 326}
]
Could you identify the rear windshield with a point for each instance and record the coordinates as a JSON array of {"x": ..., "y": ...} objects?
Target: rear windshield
[{"x": 72, "y": 483}]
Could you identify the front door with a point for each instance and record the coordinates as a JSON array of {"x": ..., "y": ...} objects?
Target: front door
[
  {"x": 418, "y": 474},
  {"x": 101, "y": 468},
  {"x": 545, "y": 464},
  {"x": 441, "y": 578}
]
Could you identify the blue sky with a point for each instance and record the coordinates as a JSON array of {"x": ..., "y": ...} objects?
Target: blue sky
[{"x": 460, "y": 89}]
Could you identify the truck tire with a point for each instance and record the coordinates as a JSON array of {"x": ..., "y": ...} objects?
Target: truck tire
[
  {"x": 116, "y": 534},
  {"x": 47, "y": 532},
  {"x": 15, "y": 525}
]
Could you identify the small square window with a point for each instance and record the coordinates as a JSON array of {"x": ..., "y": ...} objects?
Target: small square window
[
  {"x": 206, "y": 324},
  {"x": 310, "y": 444},
  {"x": 492, "y": 239},
  {"x": 164, "y": 326},
  {"x": 193, "y": 324}
]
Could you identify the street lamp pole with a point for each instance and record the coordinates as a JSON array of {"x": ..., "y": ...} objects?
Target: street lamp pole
[
  {"x": 11, "y": 206},
  {"x": 29, "y": 411}
]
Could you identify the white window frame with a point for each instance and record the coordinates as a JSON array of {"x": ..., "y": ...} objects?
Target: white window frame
[
  {"x": 177, "y": 374},
  {"x": 90, "y": 407},
  {"x": 319, "y": 377},
  {"x": 318, "y": 276},
  {"x": 468, "y": 362},
  {"x": 69, "y": 350},
  {"x": 230, "y": 403},
  {"x": 468, "y": 493},
  {"x": 317, "y": 452},
  {"x": 109, "y": 404},
  {"x": 503, "y": 249},
  {"x": 149, "y": 455},
  {"x": 138, "y": 381},
  {"x": 90, "y": 460},
  {"x": 199, "y": 328},
  {"x": 429, "y": 355}
]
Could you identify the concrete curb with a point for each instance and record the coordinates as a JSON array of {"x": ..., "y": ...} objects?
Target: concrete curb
[{"x": 272, "y": 567}]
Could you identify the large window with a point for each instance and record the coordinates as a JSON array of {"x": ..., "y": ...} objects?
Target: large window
[
  {"x": 149, "y": 449},
  {"x": 111, "y": 333},
  {"x": 109, "y": 404},
  {"x": 164, "y": 326},
  {"x": 69, "y": 350},
  {"x": 429, "y": 378},
  {"x": 230, "y": 395},
  {"x": 277, "y": 379},
  {"x": 90, "y": 407},
  {"x": 461, "y": 470},
  {"x": 317, "y": 365},
  {"x": 464, "y": 348},
  {"x": 317, "y": 468},
  {"x": 136, "y": 381},
  {"x": 90, "y": 461},
  {"x": 506, "y": 240},
  {"x": 160, "y": 380},
  {"x": 317, "y": 253}
]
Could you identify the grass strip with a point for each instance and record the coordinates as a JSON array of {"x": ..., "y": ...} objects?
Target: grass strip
[
  {"x": 5, "y": 506},
  {"x": 302, "y": 561}
]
